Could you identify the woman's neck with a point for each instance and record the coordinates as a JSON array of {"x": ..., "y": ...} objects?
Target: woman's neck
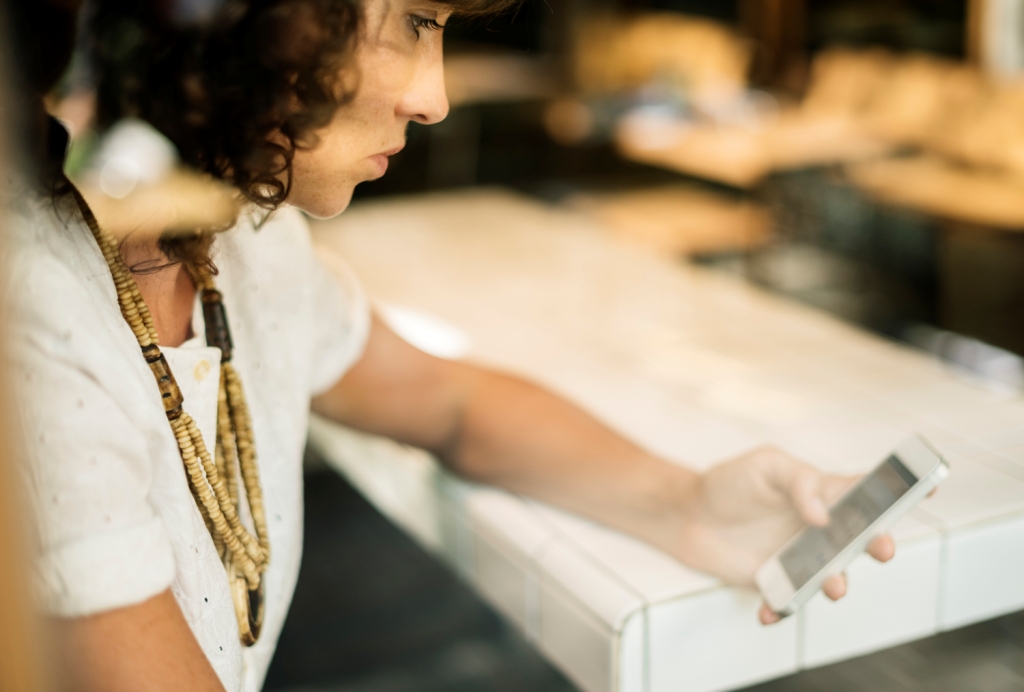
[{"x": 169, "y": 291}]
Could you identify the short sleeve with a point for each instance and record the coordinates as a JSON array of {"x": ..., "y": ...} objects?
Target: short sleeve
[
  {"x": 87, "y": 468},
  {"x": 342, "y": 320}
]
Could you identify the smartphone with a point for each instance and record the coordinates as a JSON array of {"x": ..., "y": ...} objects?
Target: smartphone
[{"x": 789, "y": 578}]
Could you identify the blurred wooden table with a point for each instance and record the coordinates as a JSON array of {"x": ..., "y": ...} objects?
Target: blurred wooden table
[
  {"x": 679, "y": 220},
  {"x": 697, "y": 367},
  {"x": 938, "y": 187},
  {"x": 743, "y": 156}
]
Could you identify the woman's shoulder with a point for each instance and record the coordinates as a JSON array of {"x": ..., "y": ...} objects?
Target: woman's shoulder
[{"x": 55, "y": 281}]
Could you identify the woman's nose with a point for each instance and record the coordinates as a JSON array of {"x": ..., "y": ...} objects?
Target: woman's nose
[{"x": 426, "y": 101}]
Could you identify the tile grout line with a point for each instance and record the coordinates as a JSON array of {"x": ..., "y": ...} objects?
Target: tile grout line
[
  {"x": 559, "y": 537},
  {"x": 646, "y": 672},
  {"x": 940, "y": 610}
]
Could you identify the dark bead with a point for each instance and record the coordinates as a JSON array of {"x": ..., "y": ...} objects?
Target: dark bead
[
  {"x": 169, "y": 390},
  {"x": 216, "y": 318}
]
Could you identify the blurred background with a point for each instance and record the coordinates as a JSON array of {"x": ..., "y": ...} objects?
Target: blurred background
[{"x": 864, "y": 157}]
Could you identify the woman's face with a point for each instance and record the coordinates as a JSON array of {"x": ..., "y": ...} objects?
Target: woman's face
[{"x": 401, "y": 78}]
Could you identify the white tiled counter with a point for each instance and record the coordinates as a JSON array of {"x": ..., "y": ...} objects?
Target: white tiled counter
[{"x": 696, "y": 366}]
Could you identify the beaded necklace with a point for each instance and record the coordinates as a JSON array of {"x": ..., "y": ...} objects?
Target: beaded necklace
[{"x": 212, "y": 480}]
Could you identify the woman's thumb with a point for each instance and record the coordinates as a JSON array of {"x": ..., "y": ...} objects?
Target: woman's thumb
[{"x": 805, "y": 493}]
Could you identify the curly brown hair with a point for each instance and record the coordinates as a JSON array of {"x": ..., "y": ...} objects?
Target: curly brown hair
[
  {"x": 221, "y": 92},
  {"x": 240, "y": 94}
]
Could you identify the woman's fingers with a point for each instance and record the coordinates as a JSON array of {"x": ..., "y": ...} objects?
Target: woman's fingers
[
  {"x": 835, "y": 586},
  {"x": 882, "y": 548},
  {"x": 767, "y": 615},
  {"x": 835, "y": 487},
  {"x": 805, "y": 493}
]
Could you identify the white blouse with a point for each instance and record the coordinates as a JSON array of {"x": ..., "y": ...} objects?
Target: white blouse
[{"x": 115, "y": 521}]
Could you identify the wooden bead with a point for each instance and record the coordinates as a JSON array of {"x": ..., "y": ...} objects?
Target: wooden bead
[
  {"x": 217, "y": 332},
  {"x": 169, "y": 390}
]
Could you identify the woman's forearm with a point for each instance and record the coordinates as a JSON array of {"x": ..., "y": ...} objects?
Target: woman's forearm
[{"x": 521, "y": 437}]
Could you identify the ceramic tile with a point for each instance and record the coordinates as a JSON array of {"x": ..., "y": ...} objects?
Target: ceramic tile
[
  {"x": 425, "y": 331},
  {"x": 910, "y": 529},
  {"x": 689, "y": 364},
  {"x": 508, "y": 519},
  {"x": 457, "y": 542},
  {"x": 581, "y": 645},
  {"x": 949, "y": 445},
  {"x": 713, "y": 641},
  {"x": 583, "y": 580},
  {"x": 763, "y": 401},
  {"x": 1002, "y": 441},
  {"x": 879, "y": 371},
  {"x": 649, "y": 572},
  {"x": 502, "y": 577},
  {"x": 701, "y": 441},
  {"x": 1005, "y": 462},
  {"x": 856, "y": 447},
  {"x": 508, "y": 536},
  {"x": 631, "y": 654},
  {"x": 660, "y": 419},
  {"x": 982, "y": 568},
  {"x": 848, "y": 412},
  {"x": 886, "y": 605},
  {"x": 975, "y": 423},
  {"x": 827, "y": 459},
  {"x": 841, "y": 454},
  {"x": 973, "y": 492},
  {"x": 949, "y": 393},
  {"x": 1014, "y": 455}
]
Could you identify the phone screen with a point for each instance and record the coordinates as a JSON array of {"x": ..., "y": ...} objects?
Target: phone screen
[{"x": 818, "y": 545}]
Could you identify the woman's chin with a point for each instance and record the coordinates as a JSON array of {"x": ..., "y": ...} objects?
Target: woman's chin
[{"x": 327, "y": 206}]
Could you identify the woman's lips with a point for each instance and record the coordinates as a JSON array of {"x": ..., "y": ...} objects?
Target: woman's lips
[{"x": 380, "y": 161}]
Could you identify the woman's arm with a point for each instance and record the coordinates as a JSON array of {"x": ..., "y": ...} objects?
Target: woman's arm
[
  {"x": 507, "y": 432},
  {"x": 501, "y": 430},
  {"x": 146, "y": 647}
]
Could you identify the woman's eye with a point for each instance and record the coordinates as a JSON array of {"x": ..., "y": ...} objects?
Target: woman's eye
[{"x": 424, "y": 23}]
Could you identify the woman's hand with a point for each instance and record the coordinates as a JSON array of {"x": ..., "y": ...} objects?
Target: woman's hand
[{"x": 743, "y": 510}]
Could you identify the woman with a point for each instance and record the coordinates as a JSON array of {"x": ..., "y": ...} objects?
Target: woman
[{"x": 166, "y": 575}]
